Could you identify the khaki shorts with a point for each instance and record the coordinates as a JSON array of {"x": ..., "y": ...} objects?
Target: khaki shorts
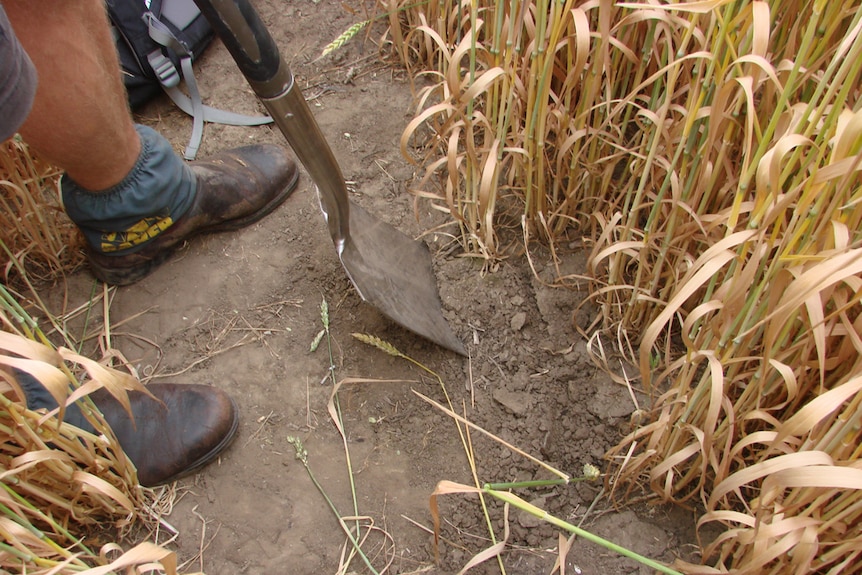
[{"x": 17, "y": 80}]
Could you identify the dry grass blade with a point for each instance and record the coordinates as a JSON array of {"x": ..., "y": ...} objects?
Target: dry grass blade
[
  {"x": 444, "y": 487},
  {"x": 492, "y": 552},
  {"x": 472, "y": 425},
  {"x": 333, "y": 410},
  {"x": 144, "y": 556},
  {"x": 34, "y": 227},
  {"x": 60, "y": 483}
]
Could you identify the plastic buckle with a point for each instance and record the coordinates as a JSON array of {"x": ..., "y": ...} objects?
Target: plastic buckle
[{"x": 165, "y": 70}]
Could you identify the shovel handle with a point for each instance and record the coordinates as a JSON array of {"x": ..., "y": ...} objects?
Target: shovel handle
[{"x": 244, "y": 34}]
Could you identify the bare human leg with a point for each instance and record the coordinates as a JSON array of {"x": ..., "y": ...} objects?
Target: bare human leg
[{"x": 80, "y": 118}]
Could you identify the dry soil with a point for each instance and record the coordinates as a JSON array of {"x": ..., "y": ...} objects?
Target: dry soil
[{"x": 240, "y": 311}]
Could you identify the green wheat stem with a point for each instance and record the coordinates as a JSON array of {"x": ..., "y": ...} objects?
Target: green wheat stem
[
  {"x": 24, "y": 522},
  {"x": 392, "y": 350},
  {"x": 545, "y": 516},
  {"x": 324, "y": 316},
  {"x": 302, "y": 456},
  {"x": 36, "y": 330}
]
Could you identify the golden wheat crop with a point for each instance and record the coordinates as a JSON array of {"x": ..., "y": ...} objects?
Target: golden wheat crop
[{"x": 710, "y": 151}]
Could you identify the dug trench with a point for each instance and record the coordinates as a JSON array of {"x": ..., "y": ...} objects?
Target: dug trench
[{"x": 241, "y": 311}]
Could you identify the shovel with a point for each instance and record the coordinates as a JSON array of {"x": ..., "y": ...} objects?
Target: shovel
[{"x": 390, "y": 271}]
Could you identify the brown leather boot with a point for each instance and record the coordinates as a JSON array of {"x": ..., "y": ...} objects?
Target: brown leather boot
[
  {"x": 234, "y": 189},
  {"x": 191, "y": 426}
]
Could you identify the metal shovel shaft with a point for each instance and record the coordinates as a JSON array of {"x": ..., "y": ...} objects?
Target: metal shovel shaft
[
  {"x": 255, "y": 52},
  {"x": 293, "y": 117},
  {"x": 389, "y": 270}
]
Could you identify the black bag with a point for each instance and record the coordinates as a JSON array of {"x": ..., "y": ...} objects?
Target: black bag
[
  {"x": 148, "y": 64},
  {"x": 157, "y": 41}
]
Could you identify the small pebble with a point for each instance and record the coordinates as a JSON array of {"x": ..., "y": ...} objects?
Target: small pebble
[{"x": 518, "y": 321}]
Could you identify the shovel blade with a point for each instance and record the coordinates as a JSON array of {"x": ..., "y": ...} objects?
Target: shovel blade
[
  {"x": 393, "y": 273},
  {"x": 390, "y": 271}
]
